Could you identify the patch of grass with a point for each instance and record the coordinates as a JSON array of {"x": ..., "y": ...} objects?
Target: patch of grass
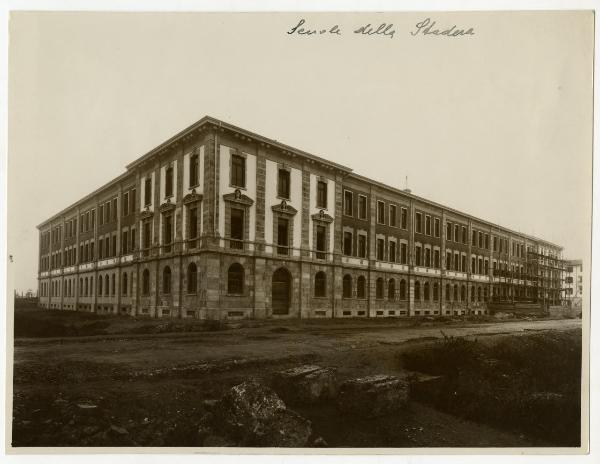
[
  {"x": 529, "y": 383},
  {"x": 57, "y": 324},
  {"x": 448, "y": 356}
]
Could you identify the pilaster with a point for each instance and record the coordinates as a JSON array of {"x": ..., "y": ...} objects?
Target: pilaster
[
  {"x": 78, "y": 260},
  {"x": 372, "y": 252},
  {"x": 305, "y": 217},
  {"x": 261, "y": 174}
]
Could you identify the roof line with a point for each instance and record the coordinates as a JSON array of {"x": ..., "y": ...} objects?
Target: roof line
[
  {"x": 120, "y": 177},
  {"x": 348, "y": 171},
  {"x": 204, "y": 120},
  {"x": 447, "y": 208},
  {"x": 211, "y": 120}
]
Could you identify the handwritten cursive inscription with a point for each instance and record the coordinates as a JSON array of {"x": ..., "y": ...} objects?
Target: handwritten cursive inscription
[
  {"x": 426, "y": 27},
  {"x": 383, "y": 29},
  {"x": 299, "y": 30}
]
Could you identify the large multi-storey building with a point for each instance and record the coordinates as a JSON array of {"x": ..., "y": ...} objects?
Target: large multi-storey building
[{"x": 219, "y": 222}]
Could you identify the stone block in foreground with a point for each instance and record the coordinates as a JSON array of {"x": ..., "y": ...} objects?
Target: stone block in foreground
[
  {"x": 306, "y": 384},
  {"x": 373, "y": 396}
]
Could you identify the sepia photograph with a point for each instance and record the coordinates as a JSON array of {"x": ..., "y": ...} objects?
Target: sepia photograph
[{"x": 306, "y": 231}]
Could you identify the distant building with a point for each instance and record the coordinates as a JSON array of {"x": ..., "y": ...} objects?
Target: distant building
[
  {"x": 573, "y": 282},
  {"x": 218, "y": 222}
]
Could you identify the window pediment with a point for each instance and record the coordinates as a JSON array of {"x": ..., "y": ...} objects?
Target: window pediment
[
  {"x": 166, "y": 207},
  {"x": 239, "y": 198},
  {"x": 146, "y": 214},
  {"x": 284, "y": 208},
  {"x": 192, "y": 197},
  {"x": 322, "y": 216}
]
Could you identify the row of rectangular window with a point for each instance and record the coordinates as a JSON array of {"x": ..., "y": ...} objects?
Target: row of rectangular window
[
  {"x": 194, "y": 173},
  {"x": 392, "y": 217},
  {"x": 419, "y": 225},
  {"x": 107, "y": 248},
  {"x": 349, "y": 205},
  {"x": 284, "y": 182},
  {"x": 456, "y": 233}
]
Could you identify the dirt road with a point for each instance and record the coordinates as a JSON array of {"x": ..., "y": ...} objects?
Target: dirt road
[
  {"x": 264, "y": 342},
  {"x": 153, "y": 385}
]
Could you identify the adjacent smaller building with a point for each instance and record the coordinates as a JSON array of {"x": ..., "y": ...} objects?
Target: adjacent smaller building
[{"x": 573, "y": 283}]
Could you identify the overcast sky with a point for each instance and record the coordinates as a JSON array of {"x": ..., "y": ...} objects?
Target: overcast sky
[{"x": 497, "y": 124}]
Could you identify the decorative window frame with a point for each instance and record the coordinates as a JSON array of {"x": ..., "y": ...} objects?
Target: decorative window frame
[
  {"x": 466, "y": 269},
  {"x": 448, "y": 265},
  {"x": 326, "y": 182},
  {"x": 418, "y": 226},
  {"x": 358, "y": 216},
  {"x": 390, "y": 206},
  {"x": 283, "y": 167},
  {"x": 393, "y": 240},
  {"x": 404, "y": 211},
  {"x": 406, "y": 244},
  {"x": 168, "y": 166},
  {"x": 449, "y": 224},
  {"x": 237, "y": 200},
  {"x": 285, "y": 211},
  {"x": 192, "y": 199},
  {"x": 428, "y": 221},
  {"x": 321, "y": 219},
  {"x": 148, "y": 202},
  {"x": 438, "y": 222},
  {"x": 344, "y": 203},
  {"x": 427, "y": 246},
  {"x": 382, "y": 219},
  {"x": 235, "y": 152},
  {"x": 433, "y": 250},
  {"x": 381, "y": 237},
  {"x": 363, "y": 233},
  {"x": 352, "y": 247},
  {"x": 418, "y": 245},
  {"x": 194, "y": 152}
]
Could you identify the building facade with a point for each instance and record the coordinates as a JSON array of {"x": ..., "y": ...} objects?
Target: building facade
[
  {"x": 218, "y": 222},
  {"x": 573, "y": 283}
]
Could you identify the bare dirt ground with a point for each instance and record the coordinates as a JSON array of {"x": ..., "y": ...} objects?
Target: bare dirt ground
[{"x": 120, "y": 387}]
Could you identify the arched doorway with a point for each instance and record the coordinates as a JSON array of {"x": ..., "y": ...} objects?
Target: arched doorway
[{"x": 281, "y": 291}]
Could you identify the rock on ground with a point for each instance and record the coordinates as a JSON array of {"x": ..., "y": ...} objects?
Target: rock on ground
[
  {"x": 253, "y": 415},
  {"x": 373, "y": 396},
  {"x": 306, "y": 384}
]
